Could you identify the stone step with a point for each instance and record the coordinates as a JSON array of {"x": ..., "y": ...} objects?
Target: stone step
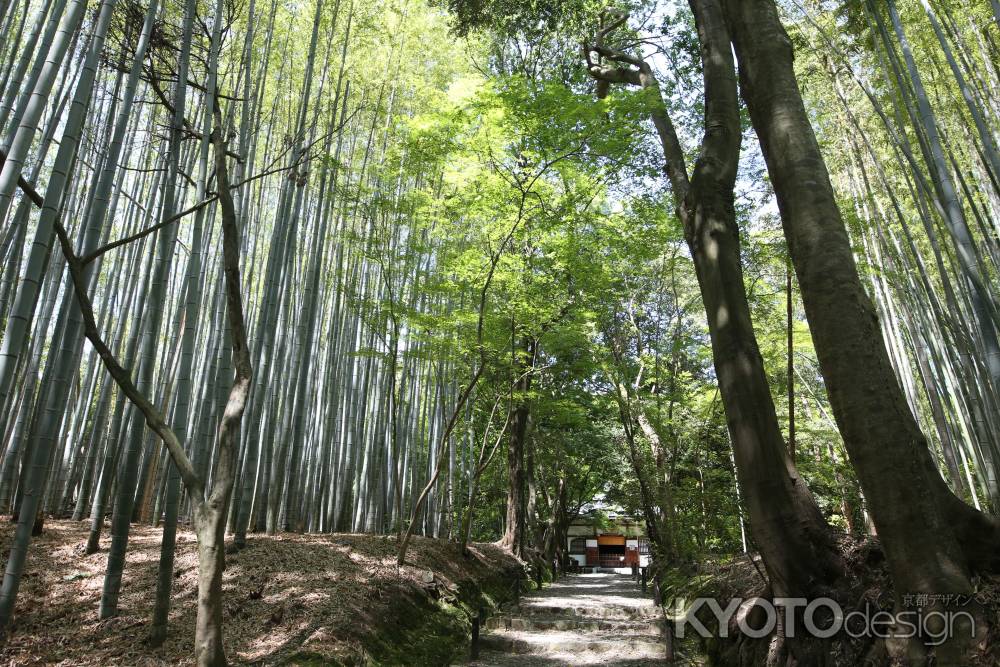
[
  {"x": 579, "y": 623},
  {"x": 557, "y": 643},
  {"x": 497, "y": 659},
  {"x": 610, "y": 611}
]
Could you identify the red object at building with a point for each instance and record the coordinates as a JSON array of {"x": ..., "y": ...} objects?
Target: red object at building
[{"x": 631, "y": 556}]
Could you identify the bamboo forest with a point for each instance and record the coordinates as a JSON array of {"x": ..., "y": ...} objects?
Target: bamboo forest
[{"x": 500, "y": 332}]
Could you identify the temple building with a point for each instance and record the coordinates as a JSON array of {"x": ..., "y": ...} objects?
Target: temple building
[{"x": 604, "y": 537}]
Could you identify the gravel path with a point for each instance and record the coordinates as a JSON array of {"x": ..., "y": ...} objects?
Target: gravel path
[{"x": 585, "y": 619}]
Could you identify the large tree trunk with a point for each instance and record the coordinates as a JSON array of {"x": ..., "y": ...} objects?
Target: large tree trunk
[
  {"x": 788, "y": 528},
  {"x": 515, "y": 536},
  {"x": 210, "y": 525},
  {"x": 907, "y": 498},
  {"x": 795, "y": 542}
]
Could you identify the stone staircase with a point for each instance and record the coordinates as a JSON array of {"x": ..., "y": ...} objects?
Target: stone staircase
[{"x": 585, "y": 619}]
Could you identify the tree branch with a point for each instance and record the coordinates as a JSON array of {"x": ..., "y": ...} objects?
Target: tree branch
[
  {"x": 643, "y": 76},
  {"x": 107, "y": 247},
  {"x": 26, "y": 187},
  {"x": 156, "y": 422}
]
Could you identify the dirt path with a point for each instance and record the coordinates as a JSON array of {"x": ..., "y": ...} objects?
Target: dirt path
[{"x": 585, "y": 619}]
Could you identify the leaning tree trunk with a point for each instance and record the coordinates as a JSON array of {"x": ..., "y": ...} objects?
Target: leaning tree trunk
[
  {"x": 908, "y": 500},
  {"x": 210, "y": 504},
  {"x": 795, "y": 542}
]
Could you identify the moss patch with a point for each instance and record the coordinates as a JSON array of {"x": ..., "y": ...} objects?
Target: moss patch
[{"x": 431, "y": 624}]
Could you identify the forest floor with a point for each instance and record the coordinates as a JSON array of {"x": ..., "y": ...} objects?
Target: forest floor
[{"x": 289, "y": 599}]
